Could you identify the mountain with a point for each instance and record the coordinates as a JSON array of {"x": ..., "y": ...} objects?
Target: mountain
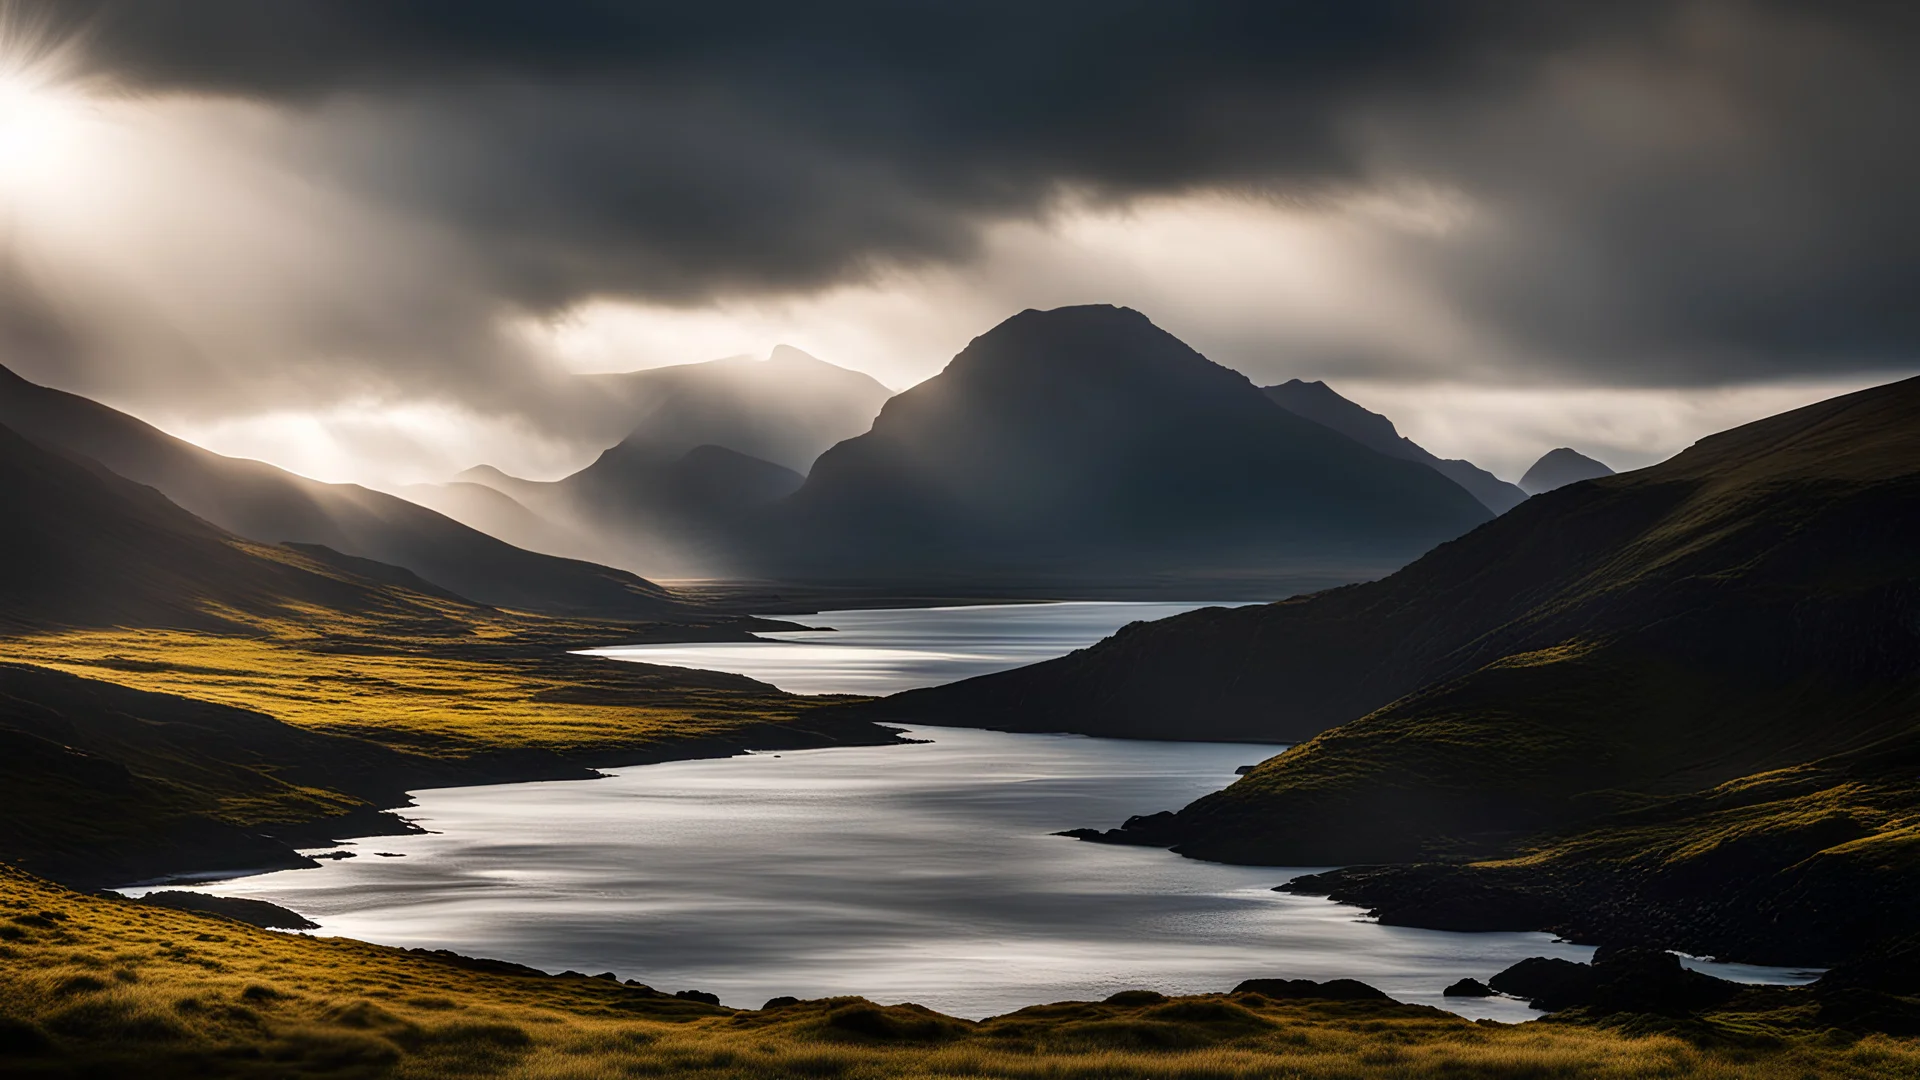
[
  {"x": 1085, "y": 442},
  {"x": 1319, "y": 403},
  {"x": 1681, "y": 703},
  {"x": 671, "y": 513},
  {"x": 270, "y": 505},
  {"x": 1622, "y": 552},
  {"x": 488, "y": 508},
  {"x": 85, "y": 547},
  {"x": 1558, "y": 468},
  {"x": 785, "y": 409}
]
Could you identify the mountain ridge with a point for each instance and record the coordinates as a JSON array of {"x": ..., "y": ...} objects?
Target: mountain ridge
[
  {"x": 1087, "y": 440},
  {"x": 270, "y": 505},
  {"x": 1323, "y": 405}
]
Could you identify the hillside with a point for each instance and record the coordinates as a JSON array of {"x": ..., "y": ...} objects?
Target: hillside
[
  {"x": 260, "y": 502},
  {"x": 84, "y": 547},
  {"x": 1661, "y": 692},
  {"x": 1082, "y": 442},
  {"x": 786, "y": 409},
  {"x": 1319, "y": 403},
  {"x": 1558, "y": 468},
  {"x": 1625, "y": 552},
  {"x": 174, "y": 698}
]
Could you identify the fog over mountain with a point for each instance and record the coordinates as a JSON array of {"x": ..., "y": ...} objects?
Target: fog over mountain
[{"x": 377, "y": 240}]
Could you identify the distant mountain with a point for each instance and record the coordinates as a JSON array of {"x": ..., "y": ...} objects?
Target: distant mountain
[
  {"x": 675, "y": 514},
  {"x": 263, "y": 503},
  {"x": 1558, "y": 468},
  {"x": 1686, "y": 694},
  {"x": 1085, "y": 442},
  {"x": 1319, "y": 403},
  {"x": 785, "y": 409},
  {"x": 490, "y": 510}
]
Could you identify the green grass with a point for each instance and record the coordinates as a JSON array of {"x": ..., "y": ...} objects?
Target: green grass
[{"x": 91, "y": 985}]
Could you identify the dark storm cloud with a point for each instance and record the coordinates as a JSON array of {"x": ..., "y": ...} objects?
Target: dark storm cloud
[{"x": 1667, "y": 192}]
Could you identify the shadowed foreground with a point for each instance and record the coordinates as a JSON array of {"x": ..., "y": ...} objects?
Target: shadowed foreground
[{"x": 106, "y": 987}]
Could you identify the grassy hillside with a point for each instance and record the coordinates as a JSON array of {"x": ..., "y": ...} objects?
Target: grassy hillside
[
  {"x": 96, "y": 986},
  {"x": 1679, "y": 706},
  {"x": 174, "y": 698},
  {"x": 1782, "y": 545}
]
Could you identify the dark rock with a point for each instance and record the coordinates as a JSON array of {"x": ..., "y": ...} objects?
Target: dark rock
[
  {"x": 1620, "y": 980},
  {"x": 1644, "y": 980},
  {"x": 697, "y": 995},
  {"x": 333, "y": 855},
  {"x": 1891, "y": 967},
  {"x": 253, "y": 912},
  {"x": 1137, "y": 997},
  {"x": 1547, "y": 983},
  {"x": 1472, "y": 988},
  {"x": 1293, "y": 989},
  {"x": 608, "y": 975},
  {"x": 1143, "y": 830},
  {"x": 476, "y": 963},
  {"x": 780, "y": 1002}
]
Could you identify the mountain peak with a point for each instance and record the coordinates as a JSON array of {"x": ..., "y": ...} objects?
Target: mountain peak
[
  {"x": 1559, "y": 467},
  {"x": 787, "y": 354}
]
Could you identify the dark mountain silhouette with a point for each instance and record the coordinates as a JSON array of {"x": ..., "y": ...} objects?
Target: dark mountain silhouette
[
  {"x": 675, "y": 514},
  {"x": 1558, "y": 468},
  {"x": 1086, "y": 441},
  {"x": 785, "y": 409},
  {"x": 1688, "y": 693},
  {"x": 1620, "y": 553},
  {"x": 1319, "y": 403},
  {"x": 84, "y": 547},
  {"x": 263, "y": 503}
]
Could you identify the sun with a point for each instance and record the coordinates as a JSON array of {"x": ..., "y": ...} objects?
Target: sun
[{"x": 37, "y": 125}]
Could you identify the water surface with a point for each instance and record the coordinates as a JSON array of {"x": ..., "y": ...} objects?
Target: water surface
[
  {"x": 904, "y": 873},
  {"x": 885, "y": 651}
]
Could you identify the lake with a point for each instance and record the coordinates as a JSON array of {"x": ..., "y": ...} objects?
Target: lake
[
  {"x": 923, "y": 873},
  {"x": 885, "y": 651}
]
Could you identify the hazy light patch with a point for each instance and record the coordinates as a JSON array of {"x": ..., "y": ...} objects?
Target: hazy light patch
[
  {"x": 1506, "y": 430},
  {"x": 387, "y": 445}
]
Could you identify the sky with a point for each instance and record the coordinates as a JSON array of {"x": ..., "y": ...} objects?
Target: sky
[{"x": 368, "y": 239}]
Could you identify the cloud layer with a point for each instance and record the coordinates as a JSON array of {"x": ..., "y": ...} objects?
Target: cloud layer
[{"x": 380, "y": 197}]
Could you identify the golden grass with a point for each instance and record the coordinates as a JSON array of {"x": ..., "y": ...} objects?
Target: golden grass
[
  {"x": 118, "y": 988},
  {"x": 420, "y": 695}
]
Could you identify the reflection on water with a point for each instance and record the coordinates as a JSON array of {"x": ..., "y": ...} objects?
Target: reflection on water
[
  {"x": 884, "y": 651},
  {"x": 907, "y": 873}
]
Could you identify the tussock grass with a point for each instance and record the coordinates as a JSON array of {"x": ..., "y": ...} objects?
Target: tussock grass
[{"x": 115, "y": 988}]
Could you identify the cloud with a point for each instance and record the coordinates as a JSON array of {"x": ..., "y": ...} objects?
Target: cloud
[{"x": 383, "y": 201}]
